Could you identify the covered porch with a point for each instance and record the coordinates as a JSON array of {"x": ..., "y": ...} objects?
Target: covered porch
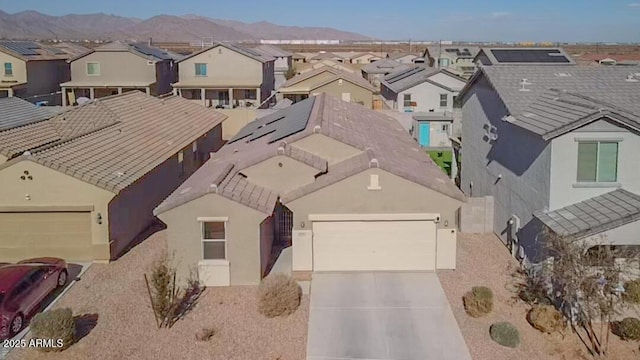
[
  {"x": 221, "y": 97},
  {"x": 71, "y": 91},
  {"x": 10, "y": 89}
]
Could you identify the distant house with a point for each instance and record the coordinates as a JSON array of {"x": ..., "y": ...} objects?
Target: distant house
[
  {"x": 70, "y": 48},
  {"x": 283, "y": 61},
  {"x": 227, "y": 75},
  {"x": 326, "y": 63},
  {"x": 403, "y": 57},
  {"x": 433, "y": 130},
  {"x": 298, "y": 59},
  {"x": 608, "y": 59},
  {"x": 323, "y": 55},
  {"x": 376, "y": 70},
  {"x": 523, "y": 56},
  {"x": 119, "y": 67},
  {"x": 343, "y": 85},
  {"x": 459, "y": 60},
  {"x": 364, "y": 58},
  {"x": 32, "y": 71}
]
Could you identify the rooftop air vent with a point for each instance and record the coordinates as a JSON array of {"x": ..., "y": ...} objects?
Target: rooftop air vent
[
  {"x": 280, "y": 150},
  {"x": 562, "y": 74},
  {"x": 214, "y": 188},
  {"x": 374, "y": 163},
  {"x": 316, "y": 129},
  {"x": 631, "y": 78},
  {"x": 523, "y": 84}
]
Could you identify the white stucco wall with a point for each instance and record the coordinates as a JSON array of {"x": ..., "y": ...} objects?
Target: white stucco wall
[
  {"x": 427, "y": 97},
  {"x": 565, "y": 190}
]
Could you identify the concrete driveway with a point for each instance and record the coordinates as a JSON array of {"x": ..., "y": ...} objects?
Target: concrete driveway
[{"x": 382, "y": 316}]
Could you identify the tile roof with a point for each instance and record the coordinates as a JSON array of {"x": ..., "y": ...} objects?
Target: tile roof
[
  {"x": 407, "y": 78},
  {"x": 384, "y": 66},
  {"x": 31, "y": 50},
  {"x": 273, "y": 51},
  {"x": 595, "y": 215},
  {"x": 263, "y": 58},
  {"x": 337, "y": 74},
  {"x": 557, "y": 99},
  {"x": 140, "y": 49},
  {"x": 71, "y": 48},
  {"x": 376, "y": 135},
  {"x": 16, "y": 112},
  {"x": 398, "y": 55},
  {"x": 114, "y": 141},
  {"x": 326, "y": 55},
  {"x": 301, "y": 69}
]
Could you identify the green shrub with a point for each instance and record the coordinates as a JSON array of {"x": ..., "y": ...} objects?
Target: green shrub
[
  {"x": 54, "y": 325},
  {"x": 627, "y": 329},
  {"x": 632, "y": 291},
  {"x": 546, "y": 318},
  {"x": 478, "y": 302},
  {"x": 505, "y": 334},
  {"x": 278, "y": 295}
]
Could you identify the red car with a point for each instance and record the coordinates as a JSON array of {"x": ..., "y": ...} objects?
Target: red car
[{"x": 23, "y": 286}]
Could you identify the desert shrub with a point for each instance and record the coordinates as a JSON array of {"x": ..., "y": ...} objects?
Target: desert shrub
[
  {"x": 627, "y": 329},
  {"x": 546, "y": 318},
  {"x": 278, "y": 295},
  {"x": 478, "y": 301},
  {"x": 532, "y": 288},
  {"x": 54, "y": 325},
  {"x": 632, "y": 291},
  {"x": 205, "y": 334},
  {"x": 505, "y": 334}
]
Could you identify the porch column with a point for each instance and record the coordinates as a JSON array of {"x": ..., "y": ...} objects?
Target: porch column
[
  {"x": 258, "y": 98},
  {"x": 64, "y": 97},
  {"x": 119, "y": 90},
  {"x": 92, "y": 93},
  {"x": 148, "y": 90},
  {"x": 203, "y": 93},
  {"x": 230, "y": 98},
  {"x": 175, "y": 91},
  {"x": 10, "y": 92}
]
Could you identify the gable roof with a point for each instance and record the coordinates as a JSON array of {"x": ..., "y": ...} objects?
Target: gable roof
[
  {"x": 114, "y": 141},
  {"x": 250, "y": 53},
  {"x": 524, "y": 56},
  {"x": 558, "y": 99},
  {"x": 143, "y": 50},
  {"x": 377, "y": 136},
  {"x": 398, "y": 55},
  {"x": 326, "y": 55},
  {"x": 32, "y": 51},
  {"x": 360, "y": 54},
  {"x": 594, "y": 215},
  {"x": 15, "y": 112},
  {"x": 71, "y": 48},
  {"x": 407, "y": 78},
  {"x": 337, "y": 74},
  {"x": 272, "y": 51},
  {"x": 384, "y": 66}
]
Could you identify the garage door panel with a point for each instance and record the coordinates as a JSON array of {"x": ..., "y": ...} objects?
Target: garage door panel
[{"x": 374, "y": 245}]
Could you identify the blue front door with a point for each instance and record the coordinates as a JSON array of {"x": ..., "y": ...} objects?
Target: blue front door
[{"x": 423, "y": 134}]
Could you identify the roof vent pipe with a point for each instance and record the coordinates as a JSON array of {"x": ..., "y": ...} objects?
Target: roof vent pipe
[
  {"x": 280, "y": 150},
  {"x": 374, "y": 163},
  {"x": 316, "y": 129},
  {"x": 214, "y": 188},
  {"x": 630, "y": 78},
  {"x": 523, "y": 84}
]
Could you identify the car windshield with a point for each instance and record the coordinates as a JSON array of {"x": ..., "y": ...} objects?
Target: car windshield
[{"x": 1, "y": 297}]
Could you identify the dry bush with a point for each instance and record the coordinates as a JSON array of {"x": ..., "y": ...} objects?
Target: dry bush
[
  {"x": 632, "y": 291},
  {"x": 505, "y": 334},
  {"x": 54, "y": 325},
  {"x": 278, "y": 295},
  {"x": 546, "y": 318},
  {"x": 627, "y": 329},
  {"x": 478, "y": 302},
  {"x": 205, "y": 334}
]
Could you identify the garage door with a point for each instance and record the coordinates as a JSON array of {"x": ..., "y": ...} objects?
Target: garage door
[
  {"x": 374, "y": 245},
  {"x": 34, "y": 234}
]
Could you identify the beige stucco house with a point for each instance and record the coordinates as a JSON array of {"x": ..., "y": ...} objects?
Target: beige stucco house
[
  {"x": 227, "y": 75},
  {"x": 346, "y": 187},
  {"x": 83, "y": 184},
  {"x": 119, "y": 67},
  {"x": 364, "y": 58},
  {"x": 32, "y": 71},
  {"x": 305, "y": 68},
  {"x": 346, "y": 86}
]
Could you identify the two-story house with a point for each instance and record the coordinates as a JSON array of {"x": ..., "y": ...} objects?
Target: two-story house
[
  {"x": 376, "y": 70},
  {"x": 557, "y": 148},
  {"x": 283, "y": 61},
  {"x": 119, "y": 67},
  {"x": 459, "y": 60},
  {"x": 226, "y": 75},
  {"x": 32, "y": 71}
]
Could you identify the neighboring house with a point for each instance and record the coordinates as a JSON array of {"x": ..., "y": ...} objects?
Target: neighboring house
[
  {"x": 71, "y": 48},
  {"x": 459, "y": 60},
  {"x": 403, "y": 57},
  {"x": 328, "y": 63},
  {"x": 82, "y": 185},
  {"x": 346, "y": 187},
  {"x": 555, "y": 146},
  {"x": 283, "y": 61},
  {"x": 32, "y": 71},
  {"x": 298, "y": 59},
  {"x": 323, "y": 55},
  {"x": 346, "y": 86},
  {"x": 433, "y": 130},
  {"x": 364, "y": 58},
  {"x": 523, "y": 56},
  {"x": 119, "y": 67},
  {"x": 376, "y": 70},
  {"x": 608, "y": 59},
  {"x": 227, "y": 75}
]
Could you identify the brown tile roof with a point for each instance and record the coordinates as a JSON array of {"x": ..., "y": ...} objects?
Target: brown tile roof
[
  {"x": 114, "y": 141},
  {"x": 378, "y": 137},
  {"x": 337, "y": 74}
]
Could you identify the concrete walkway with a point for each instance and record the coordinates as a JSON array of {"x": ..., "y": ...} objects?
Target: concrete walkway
[{"x": 382, "y": 316}]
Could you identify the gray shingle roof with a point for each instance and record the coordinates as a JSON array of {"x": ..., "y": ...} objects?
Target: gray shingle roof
[
  {"x": 114, "y": 141},
  {"x": 376, "y": 135},
  {"x": 384, "y": 66},
  {"x": 407, "y": 78},
  {"x": 16, "y": 112},
  {"x": 595, "y": 215},
  {"x": 557, "y": 99}
]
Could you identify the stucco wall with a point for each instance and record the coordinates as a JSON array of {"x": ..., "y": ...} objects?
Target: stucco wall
[
  {"x": 327, "y": 148},
  {"x": 115, "y": 67},
  {"x": 351, "y": 196},
  {"x": 427, "y": 97},
  {"x": 358, "y": 93},
  {"x": 219, "y": 61},
  {"x": 19, "y": 68},
  {"x": 522, "y": 158},
  {"x": 45, "y": 77},
  {"x": 166, "y": 74},
  {"x": 628, "y": 234},
  {"x": 242, "y": 233},
  {"x": 271, "y": 175},
  {"x": 266, "y": 243},
  {"x": 564, "y": 164},
  {"x": 3, "y": 159},
  {"x": 50, "y": 188}
]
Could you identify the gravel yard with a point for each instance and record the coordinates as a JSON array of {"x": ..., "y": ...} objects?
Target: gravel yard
[
  {"x": 483, "y": 260},
  {"x": 126, "y": 329}
]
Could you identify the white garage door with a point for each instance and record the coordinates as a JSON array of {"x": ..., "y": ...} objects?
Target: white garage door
[{"x": 374, "y": 245}]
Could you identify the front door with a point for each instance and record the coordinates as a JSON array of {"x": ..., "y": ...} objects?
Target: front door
[{"x": 424, "y": 133}]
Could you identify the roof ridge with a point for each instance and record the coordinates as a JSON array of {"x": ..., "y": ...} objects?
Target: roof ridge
[{"x": 594, "y": 100}]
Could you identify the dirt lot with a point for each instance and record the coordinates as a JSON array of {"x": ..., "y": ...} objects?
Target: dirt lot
[
  {"x": 125, "y": 327},
  {"x": 483, "y": 260}
]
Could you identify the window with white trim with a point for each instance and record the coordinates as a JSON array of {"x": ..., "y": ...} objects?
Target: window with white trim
[
  {"x": 201, "y": 69},
  {"x": 8, "y": 69},
  {"x": 214, "y": 241},
  {"x": 93, "y": 68},
  {"x": 597, "y": 161}
]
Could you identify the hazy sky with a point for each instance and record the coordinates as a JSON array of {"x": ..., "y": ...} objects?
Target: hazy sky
[{"x": 507, "y": 20}]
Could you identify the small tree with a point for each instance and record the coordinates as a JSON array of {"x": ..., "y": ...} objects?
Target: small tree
[{"x": 291, "y": 72}]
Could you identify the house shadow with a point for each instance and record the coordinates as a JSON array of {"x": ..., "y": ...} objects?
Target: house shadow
[
  {"x": 156, "y": 226},
  {"x": 84, "y": 325}
]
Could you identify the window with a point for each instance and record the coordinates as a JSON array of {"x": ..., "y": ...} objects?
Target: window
[
  {"x": 597, "y": 161},
  {"x": 444, "y": 100},
  {"x": 214, "y": 240},
  {"x": 201, "y": 69},
  {"x": 407, "y": 100},
  {"x": 8, "y": 69},
  {"x": 93, "y": 69},
  {"x": 443, "y": 62}
]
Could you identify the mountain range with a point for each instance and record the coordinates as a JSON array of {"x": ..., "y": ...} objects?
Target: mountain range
[{"x": 34, "y": 25}]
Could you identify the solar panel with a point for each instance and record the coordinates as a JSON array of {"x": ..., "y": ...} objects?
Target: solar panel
[
  {"x": 151, "y": 51},
  {"x": 530, "y": 56},
  {"x": 280, "y": 124},
  {"x": 22, "y": 47},
  {"x": 403, "y": 74}
]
